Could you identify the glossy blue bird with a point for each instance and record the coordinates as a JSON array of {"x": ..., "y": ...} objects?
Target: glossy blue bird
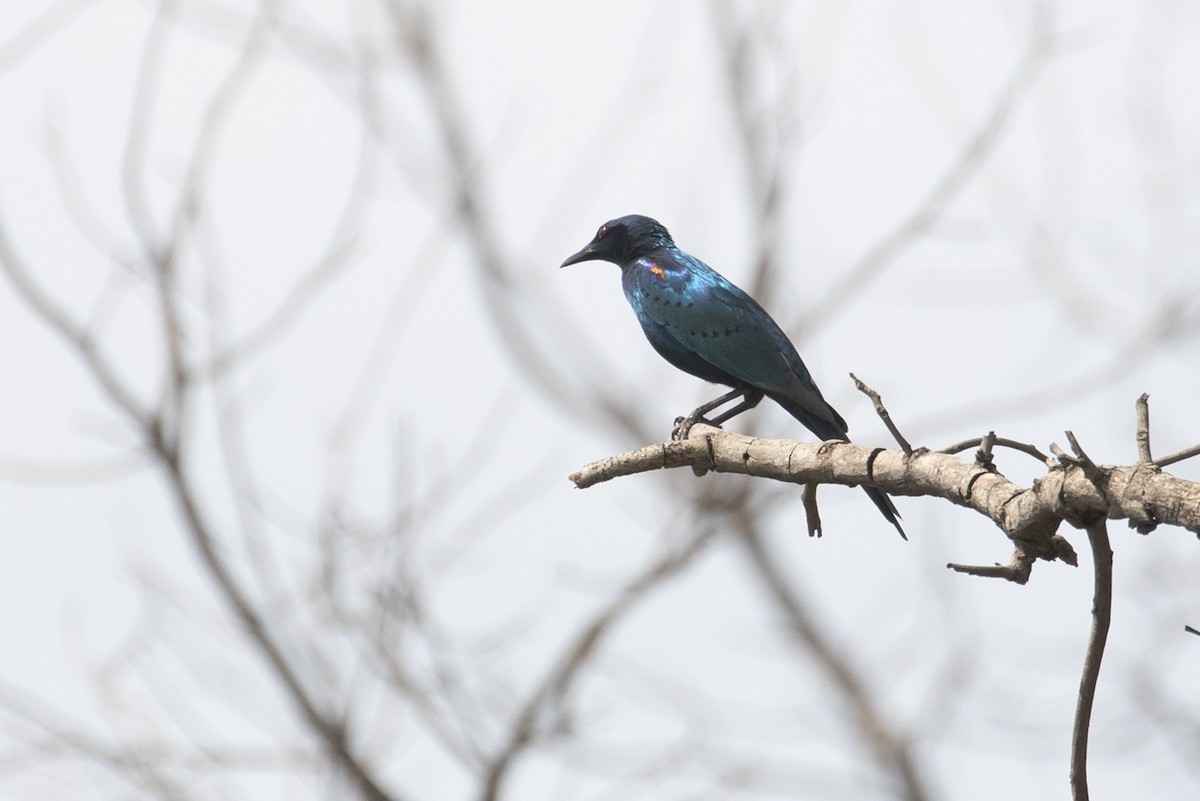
[{"x": 704, "y": 325}]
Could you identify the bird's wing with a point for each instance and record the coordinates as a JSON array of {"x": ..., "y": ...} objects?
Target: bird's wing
[{"x": 721, "y": 324}]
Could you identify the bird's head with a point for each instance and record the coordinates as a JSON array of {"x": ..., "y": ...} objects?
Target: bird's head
[{"x": 624, "y": 240}]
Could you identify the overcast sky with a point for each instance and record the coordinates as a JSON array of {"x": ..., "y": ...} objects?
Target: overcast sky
[{"x": 1056, "y": 278}]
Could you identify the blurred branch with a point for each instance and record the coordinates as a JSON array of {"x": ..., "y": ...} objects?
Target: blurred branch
[
  {"x": 29, "y": 471},
  {"x": 139, "y": 764},
  {"x": 547, "y": 698},
  {"x": 150, "y": 764},
  {"x": 766, "y": 127},
  {"x": 166, "y": 441},
  {"x": 508, "y": 308},
  {"x": 891, "y": 751},
  {"x": 1160, "y": 325},
  {"x": 336, "y": 258},
  {"x": 57, "y": 317},
  {"x": 959, "y": 174},
  {"x": 43, "y": 26}
]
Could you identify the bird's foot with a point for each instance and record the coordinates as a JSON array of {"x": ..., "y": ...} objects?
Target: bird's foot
[{"x": 683, "y": 426}]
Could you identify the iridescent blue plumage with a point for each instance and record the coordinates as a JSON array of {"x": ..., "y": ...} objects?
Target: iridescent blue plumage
[{"x": 704, "y": 325}]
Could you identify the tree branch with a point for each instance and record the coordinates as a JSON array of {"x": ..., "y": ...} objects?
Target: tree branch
[
  {"x": 1102, "y": 558},
  {"x": 1075, "y": 490}
]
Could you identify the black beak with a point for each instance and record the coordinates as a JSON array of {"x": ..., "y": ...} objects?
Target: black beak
[{"x": 591, "y": 252}]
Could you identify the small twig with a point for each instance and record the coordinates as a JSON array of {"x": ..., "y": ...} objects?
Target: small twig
[
  {"x": 1016, "y": 571},
  {"x": 1143, "y": 429},
  {"x": 1102, "y": 558},
  {"x": 1085, "y": 461},
  {"x": 1178, "y": 456},
  {"x": 1002, "y": 442},
  {"x": 882, "y": 411},
  {"x": 983, "y": 456},
  {"x": 811, "y": 512},
  {"x": 1080, "y": 459},
  {"x": 1191, "y": 630}
]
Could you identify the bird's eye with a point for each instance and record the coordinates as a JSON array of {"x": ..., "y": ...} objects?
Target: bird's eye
[{"x": 603, "y": 230}]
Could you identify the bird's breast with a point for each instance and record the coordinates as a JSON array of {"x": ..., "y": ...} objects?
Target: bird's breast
[{"x": 653, "y": 288}]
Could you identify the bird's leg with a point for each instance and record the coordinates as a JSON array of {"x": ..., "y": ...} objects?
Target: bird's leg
[{"x": 750, "y": 399}]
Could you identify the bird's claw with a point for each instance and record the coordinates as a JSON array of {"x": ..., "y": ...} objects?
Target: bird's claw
[{"x": 683, "y": 426}]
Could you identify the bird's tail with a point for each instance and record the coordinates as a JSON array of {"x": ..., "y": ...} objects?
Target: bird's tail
[
  {"x": 885, "y": 505},
  {"x": 834, "y": 428}
]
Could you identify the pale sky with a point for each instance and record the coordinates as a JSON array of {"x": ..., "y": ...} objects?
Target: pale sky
[{"x": 1033, "y": 303}]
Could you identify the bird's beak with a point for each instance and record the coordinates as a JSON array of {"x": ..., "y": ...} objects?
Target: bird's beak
[{"x": 589, "y": 253}]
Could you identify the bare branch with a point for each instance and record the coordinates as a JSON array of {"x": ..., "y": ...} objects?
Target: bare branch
[
  {"x": 811, "y": 513},
  {"x": 1102, "y": 558},
  {"x": 1077, "y": 491},
  {"x": 1186, "y": 453},
  {"x": 1012, "y": 444},
  {"x": 1143, "y": 429},
  {"x": 882, "y": 411},
  {"x": 1017, "y": 570},
  {"x": 54, "y": 315},
  {"x": 331, "y": 731}
]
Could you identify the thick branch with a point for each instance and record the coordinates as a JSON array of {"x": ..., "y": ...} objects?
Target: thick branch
[{"x": 1029, "y": 516}]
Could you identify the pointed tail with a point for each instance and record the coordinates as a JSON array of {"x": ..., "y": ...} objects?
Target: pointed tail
[
  {"x": 885, "y": 505},
  {"x": 829, "y": 425}
]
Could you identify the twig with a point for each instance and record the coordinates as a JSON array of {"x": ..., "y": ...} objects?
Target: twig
[
  {"x": 1089, "y": 467},
  {"x": 1191, "y": 630},
  {"x": 1102, "y": 558},
  {"x": 1011, "y": 444},
  {"x": 882, "y": 411},
  {"x": 983, "y": 456},
  {"x": 1179, "y": 456},
  {"x": 1143, "y": 429},
  {"x": 811, "y": 513},
  {"x": 1017, "y": 570}
]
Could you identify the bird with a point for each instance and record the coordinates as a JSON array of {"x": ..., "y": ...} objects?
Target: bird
[{"x": 704, "y": 325}]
